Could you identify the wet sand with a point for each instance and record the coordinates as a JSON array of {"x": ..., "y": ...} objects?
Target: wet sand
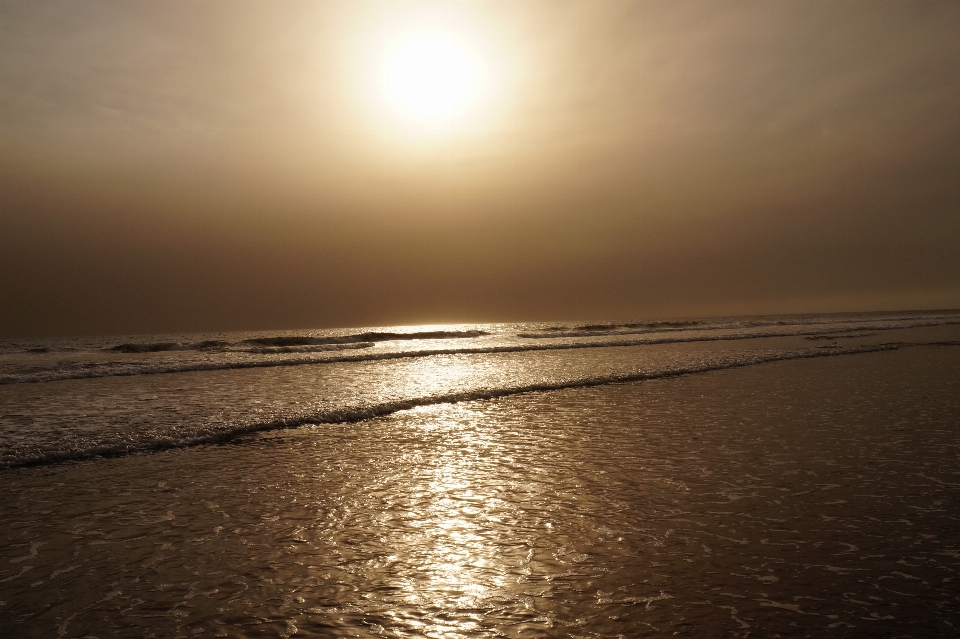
[{"x": 799, "y": 498}]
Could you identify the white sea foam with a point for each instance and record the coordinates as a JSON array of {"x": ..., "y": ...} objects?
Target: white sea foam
[
  {"x": 53, "y": 449},
  {"x": 113, "y": 396},
  {"x": 274, "y": 351}
]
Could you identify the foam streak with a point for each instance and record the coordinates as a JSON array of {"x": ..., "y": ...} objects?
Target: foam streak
[
  {"x": 362, "y": 413},
  {"x": 187, "y": 367}
]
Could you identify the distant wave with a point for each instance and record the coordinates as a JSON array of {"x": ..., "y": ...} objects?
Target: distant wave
[
  {"x": 159, "y": 347},
  {"x": 640, "y": 328},
  {"x": 122, "y": 369},
  {"x": 369, "y": 336},
  {"x": 290, "y": 341},
  {"x": 550, "y": 331},
  {"x": 326, "y": 348},
  {"x": 365, "y": 412},
  {"x": 557, "y": 333}
]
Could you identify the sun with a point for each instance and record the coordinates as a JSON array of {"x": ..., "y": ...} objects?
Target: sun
[{"x": 432, "y": 79}]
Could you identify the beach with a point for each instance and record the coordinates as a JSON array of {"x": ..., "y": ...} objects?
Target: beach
[
  {"x": 462, "y": 319},
  {"x": 800, "y": 496}
]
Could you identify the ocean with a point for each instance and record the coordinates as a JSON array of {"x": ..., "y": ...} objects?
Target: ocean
[{"x": 766, "y": 476}]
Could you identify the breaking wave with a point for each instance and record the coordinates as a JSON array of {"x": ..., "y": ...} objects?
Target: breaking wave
[
  {"x": 364, "y": 412},
  {"x": 640, "y": 328},
  {"x": 156, "y": 367},
  {"x": 159, "y": 347},
  {"x": 552, "y": 331},
  {"x": 289, "y": 341},
  {"x": 369, "y": 336}
]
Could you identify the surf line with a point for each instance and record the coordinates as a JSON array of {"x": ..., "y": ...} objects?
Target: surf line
[
  {"x": 54, "y": 376},
  {"x": 364, "y": 413}
]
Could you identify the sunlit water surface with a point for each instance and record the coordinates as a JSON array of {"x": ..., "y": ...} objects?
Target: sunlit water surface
[{"x": 812, "y": 497}]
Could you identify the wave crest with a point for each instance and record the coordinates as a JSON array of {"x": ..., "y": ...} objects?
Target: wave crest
[{"x": 364, "y": 412}]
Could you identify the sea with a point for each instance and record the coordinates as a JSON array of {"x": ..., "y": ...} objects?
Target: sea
[{"x": 789, "y": 475}]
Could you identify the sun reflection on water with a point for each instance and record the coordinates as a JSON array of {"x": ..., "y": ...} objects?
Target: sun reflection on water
[
  {"x": 455, "y": 557},
  {"x": 439, "y": 374}
]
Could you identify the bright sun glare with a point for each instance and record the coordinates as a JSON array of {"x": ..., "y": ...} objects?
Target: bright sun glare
[{"x": 432, "y": 79}]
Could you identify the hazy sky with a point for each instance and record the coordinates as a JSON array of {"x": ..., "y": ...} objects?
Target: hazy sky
[{"x": 201, "y": 165}]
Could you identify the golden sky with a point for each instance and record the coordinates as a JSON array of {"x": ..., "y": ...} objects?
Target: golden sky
[{"x": 205, "y": 165}]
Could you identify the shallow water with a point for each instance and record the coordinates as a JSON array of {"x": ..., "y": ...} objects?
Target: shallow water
[
  {"x": 90, "y": 406},
  {"x": 809, "y": 497}
]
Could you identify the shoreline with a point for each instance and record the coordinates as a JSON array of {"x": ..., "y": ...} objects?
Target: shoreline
[
  {"x": 363, "y": 413},
  {"x": 725, "y": 502}
]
